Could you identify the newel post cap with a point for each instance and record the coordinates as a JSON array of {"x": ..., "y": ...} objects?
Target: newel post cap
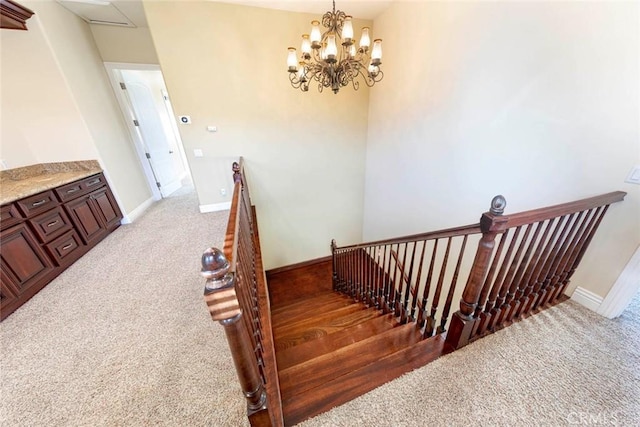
[
  {"x": 498, "y": 204},
  {"x": 215, "y": 268}
]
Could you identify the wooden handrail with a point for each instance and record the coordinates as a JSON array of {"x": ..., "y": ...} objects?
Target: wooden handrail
[
  {"x": 237, "y": 295},
  {"x": 431, "y": 235}
]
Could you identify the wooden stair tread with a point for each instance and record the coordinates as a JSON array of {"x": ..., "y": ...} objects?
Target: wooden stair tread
[
  {"x": 298, "y": 407},
  {"x": 313, "y": 373},
  {"x": 312, "y": 332},
  {"x": 311, "y": 349},
  {"x": 301, "y": 309},
  {"x": 328, "y": 318}
]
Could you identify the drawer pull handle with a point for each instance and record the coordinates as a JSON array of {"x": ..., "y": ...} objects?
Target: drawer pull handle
[
  {"x": 65, "y": 247},
  {"x": 72, "y": 190},
  {"x": 38, "y": 203},
  {"x": 52, "y": 223},
  {"x": 94, "y": 182}
]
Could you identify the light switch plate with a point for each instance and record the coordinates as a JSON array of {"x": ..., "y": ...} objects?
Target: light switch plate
[
  {"x": 634, "y": 175},
  {"x": 198, "y": 153}
]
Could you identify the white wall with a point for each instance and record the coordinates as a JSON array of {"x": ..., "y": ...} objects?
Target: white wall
[
  {"x": 225, "y": 65},
  {"x": 537, "y": 101}
]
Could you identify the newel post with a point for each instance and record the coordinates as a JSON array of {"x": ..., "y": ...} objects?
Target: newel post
[
  {"x": 491, "y": 223},
  {"x": 220, "y": 296},
  {"x": 334, "y": 275}
]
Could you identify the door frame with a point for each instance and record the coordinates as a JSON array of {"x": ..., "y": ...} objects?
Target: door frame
[{"x": 128, "y": 115}]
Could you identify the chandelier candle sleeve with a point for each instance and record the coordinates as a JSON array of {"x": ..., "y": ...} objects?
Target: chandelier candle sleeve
[{"x": 330, "y": 57}]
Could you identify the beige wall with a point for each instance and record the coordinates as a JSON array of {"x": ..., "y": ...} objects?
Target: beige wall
[
  {"x": 225, "y": 65},
  {"x": 536, "y": 101},
  {"x": 120, "y": 44},
  {"x": 67, "y": 109},
  {"x": 40, "y": 120}
]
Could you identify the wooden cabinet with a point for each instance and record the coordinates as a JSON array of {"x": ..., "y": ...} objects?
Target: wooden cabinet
[{"x": 45, "y": 233}]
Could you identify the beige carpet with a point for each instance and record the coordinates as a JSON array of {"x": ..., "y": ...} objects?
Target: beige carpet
[{"x": 123, "y": 338}]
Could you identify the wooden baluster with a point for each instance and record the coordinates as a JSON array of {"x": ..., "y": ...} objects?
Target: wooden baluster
[
  {"x": 400, "y": 312},
  {"x": 407, "y": 292},
  {"x": 539, "y": 291},
  {"x": 554, "y": 273},
  {"x": 519, "y": 289},
  {"x": 416, "y": 299},
  {"x": 462, "y": 321},
  {"x": 431, "y": 320},
  {"x": 422, "y": 316},
  {"x": 392, "y": 287},
  {"x": 452, "y": 288},
  {"x": 542, "y": 252},
  {"x": 334, "y": 263},
  {"x": 220, "y": 296},
  {"x": 583, "y": 245},
  {"x": 367, "y": 273}
]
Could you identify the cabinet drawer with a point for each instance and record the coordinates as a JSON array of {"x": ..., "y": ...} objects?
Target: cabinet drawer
[
  {"x": 51, "y": 224},
  {"x": 38, "y": 203},
  {"x": 81, "y": 187},
  {"x": 9, "y": 215},
  {"x": 64, "y": 247}
]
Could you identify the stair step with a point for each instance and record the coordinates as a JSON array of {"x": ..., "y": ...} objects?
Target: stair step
[
  {"x": 301, "y": 309},
  {"x": 328, "y": 343},
  {"x": 300, "y": 406},
  {"x": 339, "y": 317},
  {"x": 311, "y": 330},
  {"x": 324, "y": 368}
]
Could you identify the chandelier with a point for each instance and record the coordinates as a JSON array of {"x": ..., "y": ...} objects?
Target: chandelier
[{"x": 323, "y": 61}]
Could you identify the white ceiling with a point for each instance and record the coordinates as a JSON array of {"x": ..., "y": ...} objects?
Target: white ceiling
[{"x": 131, "y": 12}]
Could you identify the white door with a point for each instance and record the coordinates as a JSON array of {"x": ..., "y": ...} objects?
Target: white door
[{"x": 146, "y": 92}]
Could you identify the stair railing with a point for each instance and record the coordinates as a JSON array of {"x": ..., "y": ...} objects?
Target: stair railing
[
  {"x": 237, "y": 296},
  {"x": 538, "y": 252},
  {"x": 415, "y": 277}
]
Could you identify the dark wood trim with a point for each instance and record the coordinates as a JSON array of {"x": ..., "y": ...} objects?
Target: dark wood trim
[
  {"x": 302, "y": 264},
  {"x": 14, "y": 16}
]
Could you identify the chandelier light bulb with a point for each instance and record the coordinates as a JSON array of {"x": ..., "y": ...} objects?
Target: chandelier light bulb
[
  {"x": 365, "y": 40},
  {"x": 332, "y": 49},
  {"x": 347, "y": 30},
  {"x": 316, "y": 36},
  {"x": 306, "y": 45},
  {"x": 292, "y": 60},
  {"x": 352, "y": 51},
  {"x": 376, "y": 52}
]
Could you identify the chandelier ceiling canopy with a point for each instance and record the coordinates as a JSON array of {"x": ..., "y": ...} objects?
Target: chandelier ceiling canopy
[{"x": 332, "y": 59}]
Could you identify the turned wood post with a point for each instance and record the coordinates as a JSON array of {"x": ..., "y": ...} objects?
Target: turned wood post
[
  {"x": 491, "y": 223},
  {"x": 334, "y": 276},
  {"x": 220, "y": 296}
]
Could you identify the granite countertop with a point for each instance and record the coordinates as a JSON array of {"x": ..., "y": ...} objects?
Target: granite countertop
[{"x": 26, "y": 181}]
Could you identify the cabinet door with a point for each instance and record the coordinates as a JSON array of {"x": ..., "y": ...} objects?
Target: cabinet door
[
  {"x": 86, "y": 219},
  {"x": 107, "y": 207},
  {"x": 23, "y": 261}
]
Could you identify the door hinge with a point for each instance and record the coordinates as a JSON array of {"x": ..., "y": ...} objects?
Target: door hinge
[
  {"x": 123, "y": 86},
  {"x": 135, "y": 122},
  {"x": 158, "y": 184},
  {"x": 148, "y": 155}
]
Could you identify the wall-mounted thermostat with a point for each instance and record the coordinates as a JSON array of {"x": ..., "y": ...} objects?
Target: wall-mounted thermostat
[{"x": 185, "y": 120}]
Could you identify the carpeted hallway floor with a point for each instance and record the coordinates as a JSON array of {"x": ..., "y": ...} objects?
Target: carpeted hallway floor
[{"x": 123, "y": 338}]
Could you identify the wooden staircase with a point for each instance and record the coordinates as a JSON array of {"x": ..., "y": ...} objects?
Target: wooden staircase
[
  {"x": 311, "y": 336},
  {"x": 330, "y": 348}
]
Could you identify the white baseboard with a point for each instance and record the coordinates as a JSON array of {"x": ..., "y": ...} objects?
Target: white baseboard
[
  {"x": 215, "y": 207},
  {"x": 137, "y": 212},
  {"x": 587, "y": 298}
]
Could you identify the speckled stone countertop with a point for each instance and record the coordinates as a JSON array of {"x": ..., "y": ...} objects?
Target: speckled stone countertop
[{"x": 26, "y": 181}]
